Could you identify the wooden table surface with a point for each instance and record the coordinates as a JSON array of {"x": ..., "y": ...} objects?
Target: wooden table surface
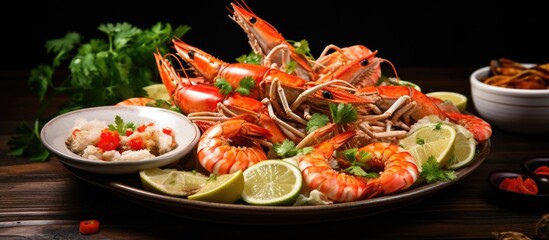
[{"x": 43, "y": 200}]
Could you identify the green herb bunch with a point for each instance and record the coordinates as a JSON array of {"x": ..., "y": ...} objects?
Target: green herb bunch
[{"x": 100, "y": 72}]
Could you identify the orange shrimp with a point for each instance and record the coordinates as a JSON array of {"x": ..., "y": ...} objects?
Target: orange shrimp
[
  {"x": 481, "y": 129},
  {"x": 318, "y": 174},
  {"x": 231, "y": 145},
  {"x": 135, "y": 101},
  {"x": 266, "y": 40},
  {"x": 385, "y": 96},
  {"x": 398, "y": 170}
]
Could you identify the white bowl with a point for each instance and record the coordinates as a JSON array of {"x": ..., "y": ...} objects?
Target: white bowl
[
  {"x": 57, "y": 130},
  {"x": 514, "y": 110}
]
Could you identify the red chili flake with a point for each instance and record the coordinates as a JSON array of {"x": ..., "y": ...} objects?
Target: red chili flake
[
  {"x": 142, "y": 127},
  {"x": 75, "y": 131},
  {"x": 109, "y": 140},
  {"x": 129, "y": 132},
  {"x": 543, "y": 170}
]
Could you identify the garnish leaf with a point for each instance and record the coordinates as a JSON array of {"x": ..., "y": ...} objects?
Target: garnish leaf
[
  {"x": 288, "y": 149},
  {"x": 432, "y": 172},
  {"x": 245, "y": 85},
  {"x": 317, "y": 121},
  {"x": 358, "y": 161},
  {"x": 120, "y": 126},
  {"x": 252, "y": 58},
  {"x": 343, "y": 113},
  {"x": 224, "y": 86}
]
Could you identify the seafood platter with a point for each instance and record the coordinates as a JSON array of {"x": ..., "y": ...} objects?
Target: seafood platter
[{"x": 339, "y": 101}]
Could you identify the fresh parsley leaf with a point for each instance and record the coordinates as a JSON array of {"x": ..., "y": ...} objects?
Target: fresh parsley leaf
[
  {"x": 432, "y": 172},
  {"x": 302, "y": 47},
  {"x": 100, "y": 72},
  {"x": 317, "y": 121},
  {"x": 251, "y": 58},
  {"x": 120, "y": 126},
  {"x": 224, "y": 86},
  {"x": 343, "y": 113},
  {"x": 245, "y": 85},
  {"x": 27, "y": 143},
  {"x": 358, "y": 161},
  {"x": 288, "y": 149}
]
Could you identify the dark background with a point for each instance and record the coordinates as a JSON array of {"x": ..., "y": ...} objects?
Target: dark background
[{"x": 407, "y": 33}]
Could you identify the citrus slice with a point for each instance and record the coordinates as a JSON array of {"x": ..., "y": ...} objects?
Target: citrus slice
[
  {"x": 157, "y": 91},
  {"x": 172, "y": 182},
  {"x": 464, "y": 148},
  {"x": 459, "y": 100},
  {"x": 272, "y": 182},
  {"x": 225, "y": 188},
  {"x": 436, "y": 140}
]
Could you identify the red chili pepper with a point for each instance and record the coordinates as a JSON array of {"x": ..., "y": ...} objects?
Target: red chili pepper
[
  {"x": 509, "y": 184},
  {"x": 142, "y": 127},
  {"x": 109, "y": 140},
  {"x": 129, "y": 132},
  {"x": 528, "y": 186},
  {"x": 543, "y": 170},
  {"x": 519, "y": 185},
  {"x": 89, "y": 226},
  {"x": 167, "y": 131},
  {"x": 136, "y": 143}
]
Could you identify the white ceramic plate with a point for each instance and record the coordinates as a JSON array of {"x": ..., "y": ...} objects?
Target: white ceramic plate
[{"x": 57, "y": 130}]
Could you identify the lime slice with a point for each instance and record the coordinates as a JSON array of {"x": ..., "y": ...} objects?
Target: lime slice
[
  {"x": 459, "y": 100},
  {"x": 226, "y": 188},
  {"x": 157, "y": 91},
  {"x": 272, "y": 182},
  {"x": 464, "y": 148},
  {"x": 400, "y": 82},
  {"x": 172, "y": 182},
  {"x": 435, "y": 140}
]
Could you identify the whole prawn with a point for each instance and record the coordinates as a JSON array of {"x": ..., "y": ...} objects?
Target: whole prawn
[
  {"x": 230, "y": 146},
  {"x": 398, "y": 170},
  {"x": 267, "y": 41},
  {"x": 385, "y": 96},
  {"x": 192, "y": 96}
]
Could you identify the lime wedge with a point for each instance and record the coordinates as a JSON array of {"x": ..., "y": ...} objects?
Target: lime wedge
[
  {"x": 172, "y": 182},
  {"x": 226, "y": 188},
  {"x": 272, "y": 182},
  {"x": 459, "y": 100},
  {"x": 436, "y": 140},
  {"x": 157, "y": 91},
  {"x": 464, "y": 148}
]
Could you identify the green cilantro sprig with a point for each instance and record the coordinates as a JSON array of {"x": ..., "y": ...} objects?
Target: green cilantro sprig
[
  {"x": 120, "y": 126},
  {"x": 100, "y": 72},
  {"x": 288, "y": 149},
  {"x": 244, "y": 86},
  {"x": 432, "y": 172},
  {"x": 359, "y": 162}
]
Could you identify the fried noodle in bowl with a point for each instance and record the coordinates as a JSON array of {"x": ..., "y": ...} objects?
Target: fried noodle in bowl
[{"x": 523, "y": 111}]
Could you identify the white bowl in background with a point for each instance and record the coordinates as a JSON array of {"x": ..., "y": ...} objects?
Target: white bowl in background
[
  {"x": 514, "y": 110},
  {"x": 57, "y": 130}
]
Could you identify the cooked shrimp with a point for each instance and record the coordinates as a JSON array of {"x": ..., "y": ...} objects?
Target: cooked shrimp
[
  {"x": 231, "y": 145},
  {"x": 397, "y": 170},
  {"x": 135, "y": 101},
  {"x": 318, "y": 174}
]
